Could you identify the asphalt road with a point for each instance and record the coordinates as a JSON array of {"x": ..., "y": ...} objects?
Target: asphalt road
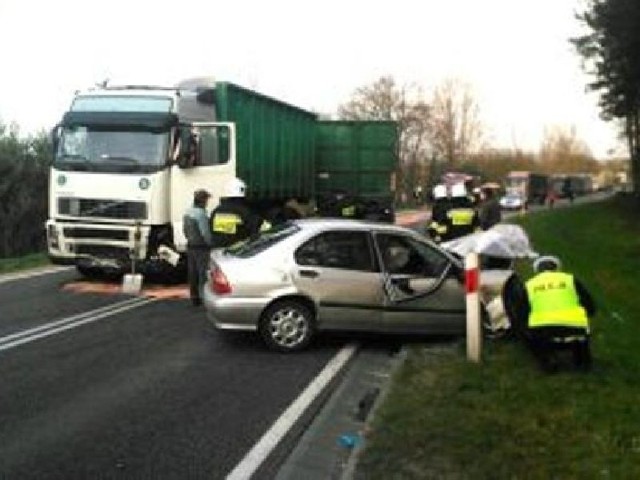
[
  {"x": 151, "y": 391},
  {"x": 102, "y": 385}
]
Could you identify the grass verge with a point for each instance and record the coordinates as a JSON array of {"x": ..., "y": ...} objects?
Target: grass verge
[
  {"x": 446, "y": 418},
  {"x": 22, "y": 263}
]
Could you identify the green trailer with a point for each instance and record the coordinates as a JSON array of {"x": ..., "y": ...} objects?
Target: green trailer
[
  {"x": 285, "y": 152},
  {"x": 275, "y": 143},
  {"x": 358, "y": 158}
]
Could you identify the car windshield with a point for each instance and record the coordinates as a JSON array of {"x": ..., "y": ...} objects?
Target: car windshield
[
  {"x": 265, "y": 240},
  {"x": 100, "y": 149}
]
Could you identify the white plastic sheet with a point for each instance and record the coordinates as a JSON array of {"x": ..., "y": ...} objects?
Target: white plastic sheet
[{"x": 502, "y": 240}]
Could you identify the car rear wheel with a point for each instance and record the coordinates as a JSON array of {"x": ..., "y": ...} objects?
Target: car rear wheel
[{"x": 287, "y": 326}]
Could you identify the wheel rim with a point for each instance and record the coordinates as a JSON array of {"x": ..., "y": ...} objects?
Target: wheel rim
[{"x": 288, "y": 327}]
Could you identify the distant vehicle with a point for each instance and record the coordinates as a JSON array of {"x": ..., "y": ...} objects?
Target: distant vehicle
[
  {"x": 556, "y": 184},
  {"x": 576, "y": 183},
  {"x": 334, "y": 274},
  {"x": 512, "y": 201},
  {"x": 454, "y": 178},
  {"x": 581, "y": 183},
  {"x": 533, "y": 187}
]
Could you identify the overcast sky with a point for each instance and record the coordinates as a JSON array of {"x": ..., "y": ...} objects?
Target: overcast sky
[{"x": 515, "y": 54}]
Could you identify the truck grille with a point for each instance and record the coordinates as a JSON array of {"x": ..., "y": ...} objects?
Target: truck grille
[
  {"x": 102, "y": 251},
  {"x": 100, "y": 233},
  {"x": 89, "y": 207}
]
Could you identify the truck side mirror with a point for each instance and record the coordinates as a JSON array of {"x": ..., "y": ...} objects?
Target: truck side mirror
[{"x": 55, "y": 138}]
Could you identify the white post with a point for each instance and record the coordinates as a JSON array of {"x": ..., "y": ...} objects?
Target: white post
[{"x": 472, "y": 287}]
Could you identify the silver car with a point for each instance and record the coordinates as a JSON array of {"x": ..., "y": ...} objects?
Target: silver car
[{"x": 332, "y": 274}]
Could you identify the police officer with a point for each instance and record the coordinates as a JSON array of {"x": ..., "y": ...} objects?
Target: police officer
[
  {"x": 551, "y": 311},
  {"x": 196, "y": 230},
  {"x": 461, "y": 218},
  {"x": 437, "y": 227},
  {"x": 233, "y": 221}
]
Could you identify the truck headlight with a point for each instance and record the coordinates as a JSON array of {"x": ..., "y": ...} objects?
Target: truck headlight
[{"x": 53, "y": 237}]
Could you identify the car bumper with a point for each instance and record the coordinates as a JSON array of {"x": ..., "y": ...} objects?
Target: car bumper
[{"x": 234, "y": 313}]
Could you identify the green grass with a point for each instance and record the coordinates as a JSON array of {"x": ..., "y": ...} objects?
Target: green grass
[
  {"x": 22, "y": 263},
  {"x": 447, "y": 418}
]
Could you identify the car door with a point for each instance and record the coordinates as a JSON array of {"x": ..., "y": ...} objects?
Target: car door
[
  {"x": 423, "y": 292},
  {"x": 338, "y": 269}
]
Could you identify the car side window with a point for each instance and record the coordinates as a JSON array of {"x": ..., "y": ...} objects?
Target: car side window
[
  {"x": 340, "y": 249},
  {"x": 403, "y": 255}
]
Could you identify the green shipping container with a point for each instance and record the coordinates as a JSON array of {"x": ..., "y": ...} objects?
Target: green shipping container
[
  {"x": 275, "y": 142},
  {"x": 357, "y": 157}
]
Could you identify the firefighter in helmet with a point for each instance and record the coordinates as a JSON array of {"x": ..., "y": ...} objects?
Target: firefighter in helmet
[
  {"x": 233, "y": 221},
  {"x": 461, "y": 217}
]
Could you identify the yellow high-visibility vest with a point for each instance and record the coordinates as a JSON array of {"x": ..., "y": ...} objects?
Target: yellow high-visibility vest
[
  {"x": 461, "y": 216},
  {"x": 226, "y": 223},
  {"x": 349, "y": 211},
  {"x": 554, "y": 302},
  {"x": 266, "y": 225}
]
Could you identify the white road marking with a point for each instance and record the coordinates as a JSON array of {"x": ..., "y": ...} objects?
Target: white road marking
[
  {"x": 10, "y": 277},
  {"x": 263, "y": 448},
  {"x": 26, "y": 336}
]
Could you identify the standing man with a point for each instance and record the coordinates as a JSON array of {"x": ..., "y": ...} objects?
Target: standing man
[
  {"x": 196, "y": 230},
  {"x": 233, "y": 221},
  {"x": 567, "y": 191},
  {"x": 551, "y": 311},
  {"x": 490, "y": 213}
]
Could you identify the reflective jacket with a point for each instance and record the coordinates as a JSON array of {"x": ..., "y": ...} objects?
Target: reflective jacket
[
  {"x": 461, "y": 219},
  {"x": 231, "y": 222},
  {"x": 437, "y": 227},
  {"x": 554, "y": 301}
]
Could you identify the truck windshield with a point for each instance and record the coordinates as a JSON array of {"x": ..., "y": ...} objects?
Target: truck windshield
[{"x": 100, "y": 149}]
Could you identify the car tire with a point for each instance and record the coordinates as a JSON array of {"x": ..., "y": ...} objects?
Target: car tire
[{"x": 287, "y": 326}]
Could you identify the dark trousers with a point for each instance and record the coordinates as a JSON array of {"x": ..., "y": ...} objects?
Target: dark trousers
[
  {"x": 197, "y": 266},
  {"x": 546, "y": 342}
]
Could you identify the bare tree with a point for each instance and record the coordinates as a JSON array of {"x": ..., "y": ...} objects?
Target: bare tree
[
  {"x": 384, "y": 100},
  {"x": 456, "y": 129},
  {"x": 563, "y": 152}
]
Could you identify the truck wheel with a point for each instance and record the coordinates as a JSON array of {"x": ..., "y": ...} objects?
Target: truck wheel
[
  {"x": 287, "y": 326},
  {"x": 88, "y": 272}
]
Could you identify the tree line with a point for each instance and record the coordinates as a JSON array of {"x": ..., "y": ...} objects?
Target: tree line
[
  {"x": 24, "y": 166},
  {"x": 443, "y": 132}
]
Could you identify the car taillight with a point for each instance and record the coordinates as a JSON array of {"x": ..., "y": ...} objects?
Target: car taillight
[{"x": 219, "y": 283}]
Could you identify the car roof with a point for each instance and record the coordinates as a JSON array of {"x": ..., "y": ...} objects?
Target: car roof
[{"x": 343, "y": 223}]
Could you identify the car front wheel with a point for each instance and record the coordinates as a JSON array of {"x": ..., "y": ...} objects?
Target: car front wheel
[{"x": 287, "y": 326}]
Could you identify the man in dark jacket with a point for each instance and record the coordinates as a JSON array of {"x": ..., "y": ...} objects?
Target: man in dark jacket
[
  {"x": 490, "y": 213},
  {"x": 549, "y": 312},
  {"x": 196, "y": 230},
  {"x": 233, "y": 221}
]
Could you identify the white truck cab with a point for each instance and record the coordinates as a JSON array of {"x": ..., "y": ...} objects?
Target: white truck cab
[{"x": 126, "y": 163}]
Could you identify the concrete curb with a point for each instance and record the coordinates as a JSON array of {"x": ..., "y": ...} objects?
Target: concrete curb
[
  {"x": 328, "y": 443},
  {"x": 350, "y": 468}
]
